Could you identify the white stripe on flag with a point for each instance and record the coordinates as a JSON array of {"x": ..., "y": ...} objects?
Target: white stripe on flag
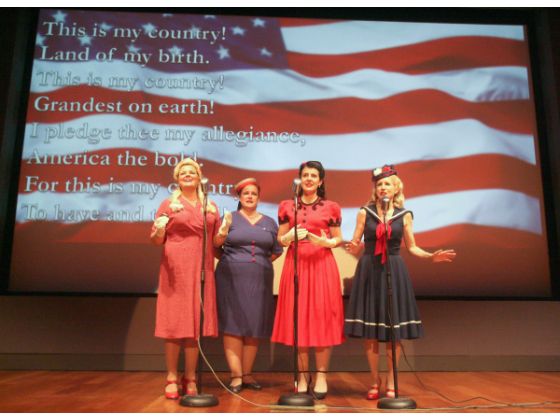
[
  {"x": 358, "y": 151},
  {"x": 354, "y": 37},
  {"x": 253, "y": 86}
]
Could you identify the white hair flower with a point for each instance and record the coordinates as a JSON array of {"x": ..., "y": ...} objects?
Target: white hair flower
[{"x": 176, "y": 207}]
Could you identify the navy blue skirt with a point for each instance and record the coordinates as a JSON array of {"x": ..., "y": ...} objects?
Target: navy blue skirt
[{"x": 366, "y": 314}]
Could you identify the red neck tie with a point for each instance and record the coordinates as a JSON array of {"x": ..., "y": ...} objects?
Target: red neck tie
[{"x": 381, "y": 243}]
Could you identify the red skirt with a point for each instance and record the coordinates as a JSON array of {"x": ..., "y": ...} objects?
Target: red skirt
[{"x": 320, "y": 310}]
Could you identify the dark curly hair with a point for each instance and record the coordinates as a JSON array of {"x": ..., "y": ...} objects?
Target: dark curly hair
[{"x": 315, "y": 164}]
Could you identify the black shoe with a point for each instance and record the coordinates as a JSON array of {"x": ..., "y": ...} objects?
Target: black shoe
[
  {"x": 255, "y": 386},
  {"x": 236, "y": 389},
  {"x": 319, "y": 395}
]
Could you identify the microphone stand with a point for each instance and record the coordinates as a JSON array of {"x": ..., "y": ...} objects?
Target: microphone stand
[
  {"x": 397, "y": 403},
  {"x": 201, "y": 400},
  {"x": 295, "y": 398}
]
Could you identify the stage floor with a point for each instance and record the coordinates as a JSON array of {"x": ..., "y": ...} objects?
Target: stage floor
[{"x": 94, "y": 391}]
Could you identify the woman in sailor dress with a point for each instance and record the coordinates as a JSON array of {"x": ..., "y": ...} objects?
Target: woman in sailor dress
[{"x": 366, "y": 315}]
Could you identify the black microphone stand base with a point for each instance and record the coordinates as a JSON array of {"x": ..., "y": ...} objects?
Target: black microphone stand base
[
  {"x": 298, "y": 399},
  {"x": 200, "y": 400},
  {"x": 401, "y": 403}
]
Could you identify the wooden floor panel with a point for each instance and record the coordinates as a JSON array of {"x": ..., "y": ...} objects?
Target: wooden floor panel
[{"x": 94, "y": 391}]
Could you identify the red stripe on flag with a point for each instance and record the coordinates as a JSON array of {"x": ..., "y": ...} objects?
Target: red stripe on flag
[
  {"x": 482, "y": 252},
  {"x": 422, "y": 58},
  {"x": 329, "y": 116},
  {"x": 420, "y": 177},
  {"x": 478, "y": 269}
]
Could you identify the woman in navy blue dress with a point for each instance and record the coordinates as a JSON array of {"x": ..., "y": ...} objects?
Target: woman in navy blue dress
[
  {"x": 366, "y": 315},
  {"x": 244, "y": 278}
]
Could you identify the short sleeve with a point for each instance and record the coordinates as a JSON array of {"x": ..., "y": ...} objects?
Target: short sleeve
[
  {"x": 284, "y": 212},
  {"x": 335, "y": 217},
  {"x": 164, "y": 208},
  {"x": 277, "y": 249}
]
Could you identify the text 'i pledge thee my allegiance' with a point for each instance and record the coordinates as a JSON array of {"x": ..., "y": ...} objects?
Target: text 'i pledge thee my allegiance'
[{"x": 164, "y": 56}]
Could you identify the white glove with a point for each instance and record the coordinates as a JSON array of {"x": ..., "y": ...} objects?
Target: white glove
[
  {"x": 289, "y": 237},
  {"x": 161, "y": 221},
  {"x": 226, "y": 223},
  {"x": 160, "y": 224},
  {"x": 322, "y": 240}
]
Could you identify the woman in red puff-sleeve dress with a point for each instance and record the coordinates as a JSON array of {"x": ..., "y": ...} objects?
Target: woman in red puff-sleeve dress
[
  {"x": 179, "y": 228},
  {"x": 320, "y": 311}
]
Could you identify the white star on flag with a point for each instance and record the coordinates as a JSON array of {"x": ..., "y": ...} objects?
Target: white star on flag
[
  {"x": 105, "y": 26},
  {"x": 238, "y": 30},
  {"x": 265, "y": 52},
  {"x": 258, "y": 22},
  {"x": 148, "y": 27},
  {"x": 223, "y": 52},
  {"x": 59, "y": 16},
  {"x": 175, "y": 50},
  {"x": 85, "y": 40}
]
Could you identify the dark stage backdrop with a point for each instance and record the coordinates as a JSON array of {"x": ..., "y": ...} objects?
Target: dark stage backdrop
[{"x": 118, "y": 98}]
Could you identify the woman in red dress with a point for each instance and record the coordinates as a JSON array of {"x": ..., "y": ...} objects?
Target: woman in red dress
[
  {"x": 320, "y": 313},
  {"x": 179, "y": 228}
]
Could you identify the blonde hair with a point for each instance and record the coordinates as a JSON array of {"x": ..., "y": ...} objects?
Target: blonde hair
[
  {"x": 398, "y": 198},
  {"x": 174, "y": 197}
]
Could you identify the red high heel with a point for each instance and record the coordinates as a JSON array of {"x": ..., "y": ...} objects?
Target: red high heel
[
  {"x": 173, "y": 395},
  {"x": 373, "y": 393},
  {"x": 390, "y": 393},
  {"x": 185, "y": 384}
]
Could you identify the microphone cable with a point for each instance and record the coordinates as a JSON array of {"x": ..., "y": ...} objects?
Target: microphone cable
[
  {"x": 323, "y": 407},
  {"x": 498, "y": 404}
]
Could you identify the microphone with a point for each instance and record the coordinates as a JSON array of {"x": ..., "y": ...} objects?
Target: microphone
[
  {"x": 385, "y": 204},
  {"x": 204, "y": 185},
  {"x": 296, "y": 185}
]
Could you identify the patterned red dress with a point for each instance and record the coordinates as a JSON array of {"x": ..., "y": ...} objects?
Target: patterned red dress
[
  {"x": 321, "y": 316},
  {"x": 178, "y": 302}
]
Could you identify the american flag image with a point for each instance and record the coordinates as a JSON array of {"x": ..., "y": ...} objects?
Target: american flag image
[{"x": 117, "y": 98}]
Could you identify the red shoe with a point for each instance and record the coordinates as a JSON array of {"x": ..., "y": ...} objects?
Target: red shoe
[
  {"x": 185, "y": 384},
  {"x": 173, "y": 395},
  {"x": 373, "y": 393},
  {"x": 390, "y": 393}
]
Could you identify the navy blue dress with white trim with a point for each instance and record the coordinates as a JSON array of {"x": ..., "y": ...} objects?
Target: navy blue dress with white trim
[{"x": 366, "y": 314}]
